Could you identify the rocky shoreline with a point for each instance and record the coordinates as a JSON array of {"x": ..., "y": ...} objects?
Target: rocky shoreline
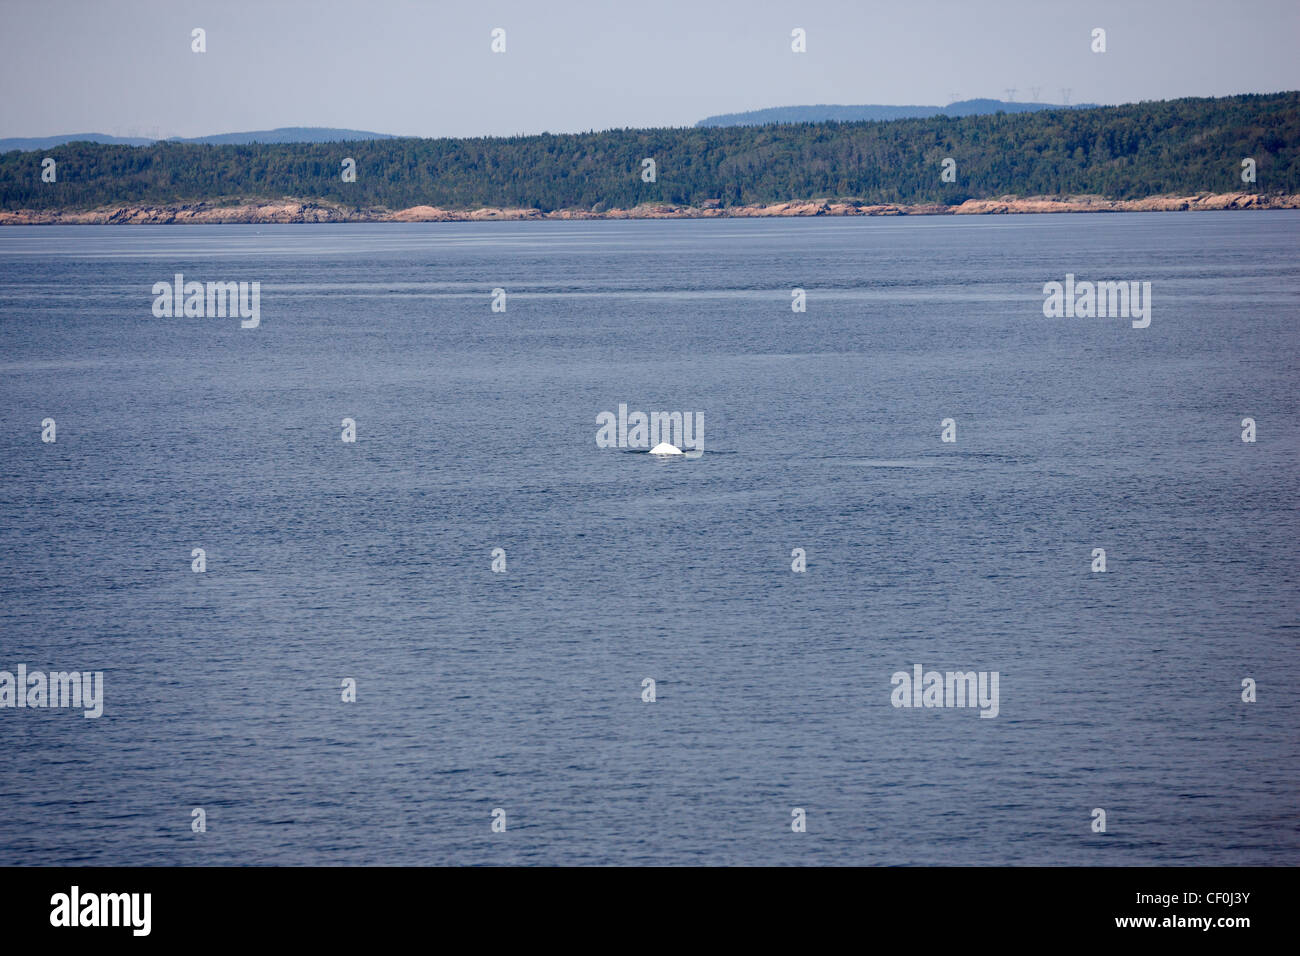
[{"x": 306, "y": 211}]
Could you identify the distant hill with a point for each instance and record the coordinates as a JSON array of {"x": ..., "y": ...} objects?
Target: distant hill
[
  {"x": 285, "y": 134},
  {"x": 49, "y": 142},
  {"x": 288, "y": 134},
  {"x": 858, "y": 114}
]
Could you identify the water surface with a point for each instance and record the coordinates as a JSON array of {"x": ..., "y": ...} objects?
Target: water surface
[{"x": 522, "y": 690}]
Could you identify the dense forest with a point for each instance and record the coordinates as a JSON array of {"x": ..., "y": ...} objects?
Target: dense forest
[{"x": 1122, "y": 152}]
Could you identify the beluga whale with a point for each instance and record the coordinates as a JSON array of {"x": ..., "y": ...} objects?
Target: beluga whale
[{"x": 665, "y": 448}]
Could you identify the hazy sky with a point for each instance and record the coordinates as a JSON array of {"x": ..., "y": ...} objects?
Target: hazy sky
[{"x": 425, "y": 67}]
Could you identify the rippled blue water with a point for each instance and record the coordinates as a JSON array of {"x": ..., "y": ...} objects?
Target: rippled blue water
[{"x": 522, "y": 690}]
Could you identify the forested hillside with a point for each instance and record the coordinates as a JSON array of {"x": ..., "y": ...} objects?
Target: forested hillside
[{"x": 1132, "y": 151}]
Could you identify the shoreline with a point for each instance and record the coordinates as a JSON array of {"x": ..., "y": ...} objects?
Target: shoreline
[{"x": 315, "y": 211}]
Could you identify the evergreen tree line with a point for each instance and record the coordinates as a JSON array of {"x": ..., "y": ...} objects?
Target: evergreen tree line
[{"x": 1122, "y": 152}]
